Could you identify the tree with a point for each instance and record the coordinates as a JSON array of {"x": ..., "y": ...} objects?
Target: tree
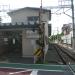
[{"x": 56, "y": 37}]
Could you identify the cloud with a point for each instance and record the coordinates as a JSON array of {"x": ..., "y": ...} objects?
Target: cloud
[
  {"x": 24, "y": 3},
  {"x": 57, "y": 21}
]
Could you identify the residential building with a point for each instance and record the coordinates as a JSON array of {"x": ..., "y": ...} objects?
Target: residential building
[
  {"x": 29, "y": 15},
  {"x": 24, "y": 26},
  {"x": 68, "y": 33},
  {"x": 67, "y": 28}
]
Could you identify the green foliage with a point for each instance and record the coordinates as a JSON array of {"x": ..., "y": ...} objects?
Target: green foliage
[
  {"x": 56, "y": 37},
  {"x": 62, "y": 34}
]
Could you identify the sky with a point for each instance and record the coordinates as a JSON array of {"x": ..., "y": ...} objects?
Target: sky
[
  {"x": 57, "y": 21},
  {"x": 23, "y": 3}
]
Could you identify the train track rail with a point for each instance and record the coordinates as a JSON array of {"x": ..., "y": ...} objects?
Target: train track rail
[
  {"x": 58, "y": 54},
  {"x": 65, "y": 55}
]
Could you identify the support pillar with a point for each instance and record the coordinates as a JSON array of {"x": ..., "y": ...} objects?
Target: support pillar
[
  {"x": 72, "y": 7},
  {"x": 73, "y": 43}
]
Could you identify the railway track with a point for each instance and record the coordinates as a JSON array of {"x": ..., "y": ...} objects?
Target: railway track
[
  {"x": 65, "y": 55},
  {"x": 59, "y": 55}
]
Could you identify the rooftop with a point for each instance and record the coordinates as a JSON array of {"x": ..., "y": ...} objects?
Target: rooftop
[
  {"x": 16, "y": 26},
  {"x": 30, "y": 8}
]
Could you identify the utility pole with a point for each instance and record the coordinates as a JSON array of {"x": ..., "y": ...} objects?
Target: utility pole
[
  {"x": 58, "y": 35},
  {"x": 72, "y": 7},
  {"x": 41, "y": 34}
]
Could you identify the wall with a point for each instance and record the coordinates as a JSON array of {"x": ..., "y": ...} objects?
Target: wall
[
  {"x": 29, "y": 43},
  {"x": 68, "y": 38},
  {"x": 21, "y": 16},
  {"x": 46, "y": 37}
]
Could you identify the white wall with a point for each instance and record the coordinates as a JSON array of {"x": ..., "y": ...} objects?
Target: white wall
[
  {"x": 29, "y": 42},
  {"x": 21, "y": 16},
  {"x": 46, "y": 37},
  {"x": 68, "y": 38}
]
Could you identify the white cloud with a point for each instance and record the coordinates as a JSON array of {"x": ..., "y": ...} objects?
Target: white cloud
[{"x": 23, "y": 3}]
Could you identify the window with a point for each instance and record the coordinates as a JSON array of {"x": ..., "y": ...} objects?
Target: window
[{"x": 33, "y": 20}]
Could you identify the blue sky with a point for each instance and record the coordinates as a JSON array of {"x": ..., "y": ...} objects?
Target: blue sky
[{"x": 57, "y": 20}]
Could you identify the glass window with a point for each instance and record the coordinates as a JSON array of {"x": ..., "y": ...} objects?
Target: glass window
[{"x": 33, "y": 19}]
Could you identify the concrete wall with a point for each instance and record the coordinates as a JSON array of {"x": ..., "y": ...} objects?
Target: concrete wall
[
  {"x": 46, "y": 37},
  {"x": 29, "y": 43}
]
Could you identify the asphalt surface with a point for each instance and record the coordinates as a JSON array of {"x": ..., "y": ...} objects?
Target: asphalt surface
[
  {"x": 25, "y": 60},
  {"x": 52, "y": 56},
  {"x": 13, "y": 57}
]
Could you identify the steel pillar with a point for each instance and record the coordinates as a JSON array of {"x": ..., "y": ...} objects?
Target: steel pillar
[{"x": 72, "y": 7}]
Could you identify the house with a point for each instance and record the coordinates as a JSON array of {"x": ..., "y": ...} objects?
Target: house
[
  {"x": 29, "y": 15},
  {"x": 68, "y": 33},
  {"x": 67, "y": 28},
  {"x": 24, "y": 27}
]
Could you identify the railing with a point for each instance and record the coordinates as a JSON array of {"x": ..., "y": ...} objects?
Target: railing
[
  {"x": 11, "y": 26},
  {"x": 35, "y": 66}
]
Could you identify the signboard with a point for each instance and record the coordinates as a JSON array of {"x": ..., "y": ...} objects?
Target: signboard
[{"x": 37, "y": 52}]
